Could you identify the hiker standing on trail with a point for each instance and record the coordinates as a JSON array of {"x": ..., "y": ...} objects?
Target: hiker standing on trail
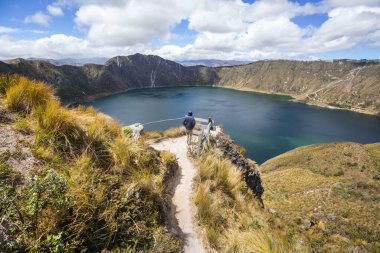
[{"x": 189, "y": 124}]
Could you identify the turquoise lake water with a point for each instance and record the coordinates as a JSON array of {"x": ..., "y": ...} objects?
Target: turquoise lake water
[{"x": 266, "y": 125}]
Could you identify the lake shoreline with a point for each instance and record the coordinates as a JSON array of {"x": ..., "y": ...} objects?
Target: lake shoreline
[
  {"x": 292, "y": 98},
  {"x": 297, "y": 99}
]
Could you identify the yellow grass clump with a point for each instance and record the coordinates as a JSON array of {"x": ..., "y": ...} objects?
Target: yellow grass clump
[
  {"x": 27, "y": 95},
  {"x": 58, "y": 127},
  {"x": 171, "y": 132},
  {"x": 229, "y": 213}
]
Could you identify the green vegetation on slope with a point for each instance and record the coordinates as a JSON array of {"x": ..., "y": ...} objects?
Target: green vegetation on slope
[
  {"x": 326, "y": 196},
  {"x": 93, "y": 189}
]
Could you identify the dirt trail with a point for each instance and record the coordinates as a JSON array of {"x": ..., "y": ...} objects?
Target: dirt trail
[{"x": 182, "y": 198}]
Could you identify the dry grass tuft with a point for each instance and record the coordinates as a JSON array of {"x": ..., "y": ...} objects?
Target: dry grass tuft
[
  {"x": 27, "y": 95},
  {"x": 124, "y": 152},
  {"x": 58, "y": 128},
  {"x": 172, "y": 132},
  {"x": 226, "y": 177},
  {"x": 228, "y": 212}
]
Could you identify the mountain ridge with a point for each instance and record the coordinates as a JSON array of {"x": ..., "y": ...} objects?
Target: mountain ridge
[{"x": 345, "y": 84}]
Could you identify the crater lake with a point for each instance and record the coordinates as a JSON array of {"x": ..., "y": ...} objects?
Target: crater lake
[{"x": 266, "y": 125}]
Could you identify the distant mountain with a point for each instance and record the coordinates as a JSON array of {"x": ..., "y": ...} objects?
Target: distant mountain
[
  {"x": 79, "y": 83},
  {"x": 348, "y": 84},
  {"x": 212, "y": 63},
  {"x": 70, "y": 61}
]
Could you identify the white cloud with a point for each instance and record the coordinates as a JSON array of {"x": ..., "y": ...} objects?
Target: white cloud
[
  {"x": 60, "y": 46},
  {"x": 274, "y": 9},
  {"x": 374, "y": 38},
  {"x": 215, "y": 16},
  {"x": 351, "y": 3},
  {"x": 129, "y": 22},
  {"x": 54, "y": 10},
  {"x": 4, "y": 29},
  {"x": 38, "y": 18},
  {"x": 345, "y": 28},
  {"x": 273, "y": 33},
  {"x": 225, "y": 29}
]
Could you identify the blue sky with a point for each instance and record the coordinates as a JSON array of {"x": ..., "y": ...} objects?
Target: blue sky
[{"x": 191, "y": 29}]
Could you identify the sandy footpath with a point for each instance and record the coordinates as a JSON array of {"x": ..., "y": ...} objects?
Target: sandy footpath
[{"x": 182, "y": 198}]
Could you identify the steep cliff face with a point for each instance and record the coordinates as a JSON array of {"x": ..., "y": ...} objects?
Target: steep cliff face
[
  {"x": 140, "y": 71},
  {"x": 347, "y": 84}
]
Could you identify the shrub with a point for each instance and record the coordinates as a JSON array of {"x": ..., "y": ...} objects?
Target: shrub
[
  {"x": 8, "y": 194},
  {"x": 27, "y": 95}
]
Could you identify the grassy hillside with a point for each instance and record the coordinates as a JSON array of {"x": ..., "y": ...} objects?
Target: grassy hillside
[
  {"x": 341, "y": 83},
  {"x": 326, "y": 196},
  {"x": 72, "y": 181}
]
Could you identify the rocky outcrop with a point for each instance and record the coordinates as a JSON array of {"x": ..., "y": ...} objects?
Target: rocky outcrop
[
  {"x": 251, "y": 174},
  {"x": 348, "y": 84}
]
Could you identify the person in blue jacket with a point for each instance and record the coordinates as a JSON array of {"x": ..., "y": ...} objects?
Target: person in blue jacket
[{"x": 189, "y": 124}]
